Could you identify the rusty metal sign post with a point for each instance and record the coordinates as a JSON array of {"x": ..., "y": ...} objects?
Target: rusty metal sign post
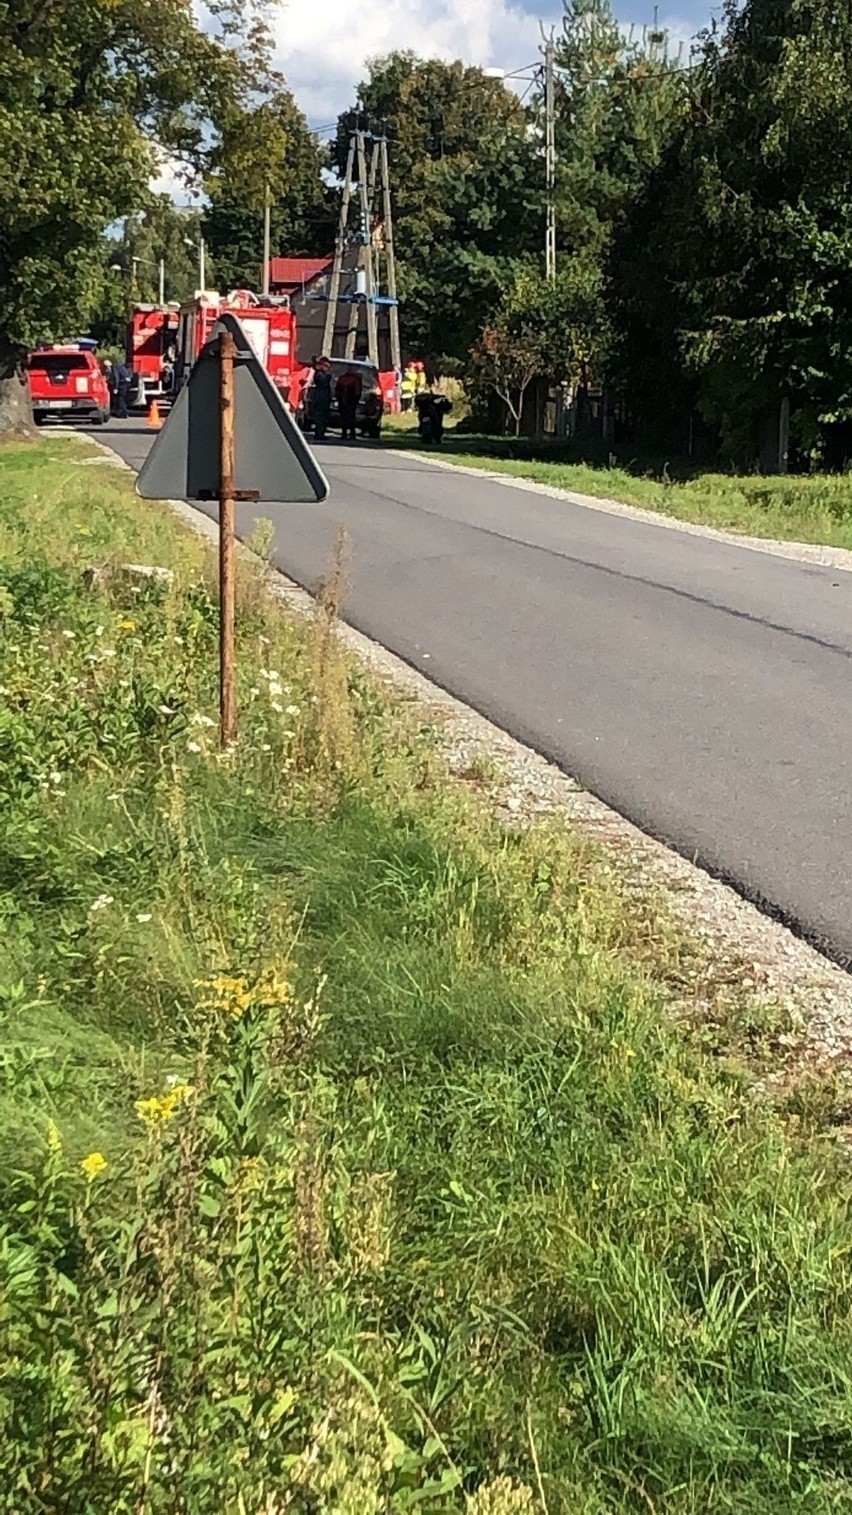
[
  {"x": 227, "y": 692},
  {"x": 230, "y": 438}
]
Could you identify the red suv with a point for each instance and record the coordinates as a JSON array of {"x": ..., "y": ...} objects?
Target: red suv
[{"x": 67, "y": 379}]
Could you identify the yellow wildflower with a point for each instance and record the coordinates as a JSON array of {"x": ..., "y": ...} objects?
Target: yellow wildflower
[
  {"x": 94, "y": 1164},
  {"x": 231, "y": 995},
  {"x": 127, "y": 625},
  {"x": 54, "y": 1140},
  {"x": 159, "y": 1109}
]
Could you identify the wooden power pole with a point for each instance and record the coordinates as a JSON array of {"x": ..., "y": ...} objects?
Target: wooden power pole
[
  {"x": 373, "y": 183},
  {"x": 339, "y": 254}
]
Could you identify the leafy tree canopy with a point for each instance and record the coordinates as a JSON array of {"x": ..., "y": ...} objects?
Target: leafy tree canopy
[
  {"x": 88, "y": 88},
  {"x": 266, "y": 146},
  {"x": 741, "y": 245},
  {"x": 467, "y": 185}
]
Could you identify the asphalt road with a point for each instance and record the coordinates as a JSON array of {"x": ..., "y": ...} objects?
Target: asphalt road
[{"x": 701, "y": 689}]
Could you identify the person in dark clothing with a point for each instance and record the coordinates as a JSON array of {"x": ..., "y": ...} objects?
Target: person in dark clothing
[
  {"x": 122, "y": 378},
  {"x": 321, "y": 397},
  {"x": 349, "y": 388}
]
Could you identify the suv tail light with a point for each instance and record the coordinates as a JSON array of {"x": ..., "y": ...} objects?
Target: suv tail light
[{"x": 82, "y": 386}]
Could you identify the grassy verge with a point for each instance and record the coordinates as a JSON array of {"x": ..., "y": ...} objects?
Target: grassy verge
[
  {"x": 795, "y": 509},
  {"x": 351, "y": 1159}
]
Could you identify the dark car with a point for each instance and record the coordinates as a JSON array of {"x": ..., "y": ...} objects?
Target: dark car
[{"x": 370, "y": 406}]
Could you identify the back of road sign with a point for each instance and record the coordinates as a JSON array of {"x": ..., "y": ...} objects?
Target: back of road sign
[{"x": 272, "y": 460}]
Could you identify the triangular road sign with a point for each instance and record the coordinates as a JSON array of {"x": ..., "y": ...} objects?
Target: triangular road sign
[{"x": 272, "y": 460}]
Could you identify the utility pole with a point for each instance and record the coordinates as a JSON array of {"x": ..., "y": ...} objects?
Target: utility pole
[
  {"x": 550, "y": 158},
  {"x": 339, "y": 252},
  {"x": 202, "y": 269},
  {"x": 370, "y": 288},
  {"x": 267, "y": 221},
  {"x": 366, "y": 281},
  {"x": 396, "y": 351},
  {"x": 162, "y": 273},
  {"x": 354, "y": 320}
]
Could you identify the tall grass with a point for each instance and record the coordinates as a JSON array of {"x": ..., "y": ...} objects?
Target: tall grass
[
  {"x": 351, "y": 1158},
  {"x": 815, "y": 508}
]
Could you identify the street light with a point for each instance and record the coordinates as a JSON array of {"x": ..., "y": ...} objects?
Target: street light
[
  {"x": 160, "y": 265},
  {"x": 202, "y": 271}
]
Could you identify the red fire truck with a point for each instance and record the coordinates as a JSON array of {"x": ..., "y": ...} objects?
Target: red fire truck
[
  {"x": 268, "y": 322},
  {"x": 151, "y": 339}
]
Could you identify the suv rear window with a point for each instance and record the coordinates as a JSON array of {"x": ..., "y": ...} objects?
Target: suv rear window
[
  {"x": 369, "y": 374},
  {"x": 58, "y": 362}
]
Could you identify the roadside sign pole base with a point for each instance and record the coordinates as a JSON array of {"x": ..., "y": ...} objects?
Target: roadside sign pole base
[{"x": 227, "y": 694}]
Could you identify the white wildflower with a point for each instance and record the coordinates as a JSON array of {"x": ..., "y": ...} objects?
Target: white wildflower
[
  {"x": 293, "y": 709},
  {"x": 55, "y": 778},
  {"x": 202, "y": 720},
  {"x": 70, "y": 635},
  {"x": 143, "y": 918},
  {"x": 178, "y": 641},
  {"x": 99, "y": 631},
  {"x": 275, "y": 688},
  {"x": 266, "y": 747},
  {"x": 101, "y": 902},
  {"x": 193, "y": 746},
  {"x": 278, "y": 708}
]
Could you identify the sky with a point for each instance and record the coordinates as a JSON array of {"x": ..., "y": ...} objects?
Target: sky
[
  {"x": 323, "y": 48},
  {"x": 323, "y": 45}
]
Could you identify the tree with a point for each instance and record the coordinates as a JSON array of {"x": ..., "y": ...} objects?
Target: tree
[
  {"x": 736, "y": 277},
  {"x": 164, "y": 230},
  {"x": 529, "y": 336},
  {"x": 89, "y": 87},
  {"x": 619, "y": 101},
  {"x": 266, "y": 146},
  {"x": 467, "y": 187}
]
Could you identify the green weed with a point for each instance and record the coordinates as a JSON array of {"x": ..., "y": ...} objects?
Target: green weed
[{"x": 350, "y": 1157}]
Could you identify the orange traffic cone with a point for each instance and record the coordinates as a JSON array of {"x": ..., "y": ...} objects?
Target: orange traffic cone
[{"x": 153, "y": 414}]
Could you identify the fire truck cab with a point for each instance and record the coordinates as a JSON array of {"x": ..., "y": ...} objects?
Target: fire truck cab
[
  {"x": 151, "y": 339},
  {"x": 268, "y": 323}
]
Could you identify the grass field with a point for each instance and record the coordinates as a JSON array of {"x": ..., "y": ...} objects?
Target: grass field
[
  {"x": 352, "y": 1157},
  {"x": 812, "y": 508}
]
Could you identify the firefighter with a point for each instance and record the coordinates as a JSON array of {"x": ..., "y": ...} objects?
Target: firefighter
[
  {"x": 421, "y": 383},
  {"x": 349, "y": 388},
  {"x": 408, "y": 387},
  {"x": 122, "y": 377},
  {"x": 321, "y": 397}
]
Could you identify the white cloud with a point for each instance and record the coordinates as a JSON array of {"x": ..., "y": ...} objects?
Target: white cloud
[
  {"x": 171, "y": 178},
  {"x": 323, "y": 48}
]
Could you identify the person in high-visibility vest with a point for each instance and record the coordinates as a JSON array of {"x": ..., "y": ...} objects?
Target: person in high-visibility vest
[
  {"x": 408, "y": 387},
  {"x": 421, "y": 383}
]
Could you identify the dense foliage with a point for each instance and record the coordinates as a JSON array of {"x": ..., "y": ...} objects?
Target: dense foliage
[
  {"x": 467, "y": 205},
  {"x": 348, "y": 1163},
  {"x": 704, "y": 210},
  {"x": 266, "y": 149},
  {"x": 704, "y": 201},
  {"x": 90, "y": 92}
]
